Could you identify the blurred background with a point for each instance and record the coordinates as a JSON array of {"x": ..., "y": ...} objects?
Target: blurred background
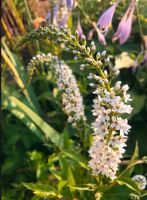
[{"x": 25, "y": 156}]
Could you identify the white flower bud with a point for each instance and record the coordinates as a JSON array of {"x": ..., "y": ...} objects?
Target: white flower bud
[
  {"x": 125, "y": 88},
  {"x": 88, "y": 49},
  {"x": 90, "y": 77},
  {"x": 116, "y": 73},
  {"x": 74, "y": 51},
  {"x": 91, "y": 84},
  {"x": 92, "y": 46},
  {"x": 98, "y": 55},
  {"x": 106, "y": 73},
  {"x": 83, "y": 47},
  {"x": 141, "y": 181},
  {"x": 99, "y": 63},
  {"x": 103, "y": 53},
  {"x": 89, "y": 60},
  {"x": 107, "y": 60}
]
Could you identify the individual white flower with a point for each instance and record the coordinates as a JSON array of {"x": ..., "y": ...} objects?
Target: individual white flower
[
  {"x": 120, "y": 124},
  {"x": 120, "y": 107},
  {"x": 140, "y": 180}
]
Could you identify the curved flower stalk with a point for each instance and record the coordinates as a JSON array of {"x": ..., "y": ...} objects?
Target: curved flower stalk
[
  {"x": 110, "y": 128},
  {"x": 125, "y": 25},
  {"x": 66, "y": 82}
]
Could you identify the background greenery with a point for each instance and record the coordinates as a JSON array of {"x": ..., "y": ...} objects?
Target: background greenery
[{"x": 33, "y": 117}]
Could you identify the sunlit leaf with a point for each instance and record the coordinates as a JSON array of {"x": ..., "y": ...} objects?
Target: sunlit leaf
[
  {"x": 42, "y": 190},
  {"x": 49, "y": 132},
  {"x": 129, "y": 183},
  {"x": 77, "y": 157}
]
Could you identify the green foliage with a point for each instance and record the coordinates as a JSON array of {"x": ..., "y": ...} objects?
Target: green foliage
[{"x": 43, "y": 157}]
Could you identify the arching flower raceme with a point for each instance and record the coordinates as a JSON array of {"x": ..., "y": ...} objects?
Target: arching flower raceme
[
  {"x": 67, "y": 84},
  {"x": 110, "y": 130},
  {"x": 105, "y": 19},
  {"x": 71, "y": 97},
  {"x": 125, "y": 25}
]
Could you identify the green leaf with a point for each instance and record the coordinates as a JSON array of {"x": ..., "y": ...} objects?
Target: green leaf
[
  {"x": 116, "y": 193},
  {"x": 137, "y": 103},
  {"x": 61, "y": 185},
  {"x": 133, "y": 158},
  {"x": 42, "y": 190},
  {"x": 76, "y": 156},
  {"x": 67, "y": 173},
  {"x": 87, "y": 187},
  {"x": 129, "y": 183},
  {"x": 49, "y": 132},
  {"x": 15, "y": 110},
  {"x": 35, "y": 198}
]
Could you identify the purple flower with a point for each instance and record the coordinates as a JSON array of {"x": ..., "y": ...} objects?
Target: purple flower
[
  {"x": 136, "y": 62},
  {"x": 90, "y": 34},
  {"x": 79, "y": 29},
  {"x": 106, "y": 18},
  {"x": 63, "y": 20},
  {"x": 55, "y": 14},
  {"x": 101, "y": 37},
  {"x": 124, "y": 27},
  {"x": 69, "y": 3},
  {"x": 145, "y": 57}
]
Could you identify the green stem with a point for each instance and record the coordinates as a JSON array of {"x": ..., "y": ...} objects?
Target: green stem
[
  {"x": 29, "y": 14},
  {"x": 96, "y": 29},
  {"x": 30, "y": 22}
]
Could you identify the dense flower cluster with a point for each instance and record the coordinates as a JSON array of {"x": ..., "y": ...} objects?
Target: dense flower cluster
[
  {"x": 71, "y": 97},
  {"x": 140, "y": 181},
  {"x": 110, "y": 130},
  {"x": 66, "y": 82}
]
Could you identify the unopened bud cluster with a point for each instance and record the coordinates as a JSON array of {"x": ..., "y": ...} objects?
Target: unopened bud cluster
[
  {"x": 140, "y": 180},
  {"x": 66, "y": 82}
]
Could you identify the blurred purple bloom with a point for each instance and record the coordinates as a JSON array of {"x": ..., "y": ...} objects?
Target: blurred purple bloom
[
  {"x": 48, "y": 16},
  {"x": 145, "y": 58},
  {"x": 63, "y": 20},
  {"x": 101, "y": 37},
  {"x": 90, "y": 34},
  {"x": 106, "y": 18},
  {"x": 141, "y": 59},
  {"x": 136, "y": 62},
  {"x": 124, "y": 27},
  {"x": 79, "y": 29},
  {"x": 55, "y": 14},
  {"x": 70, "y": 3}
]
